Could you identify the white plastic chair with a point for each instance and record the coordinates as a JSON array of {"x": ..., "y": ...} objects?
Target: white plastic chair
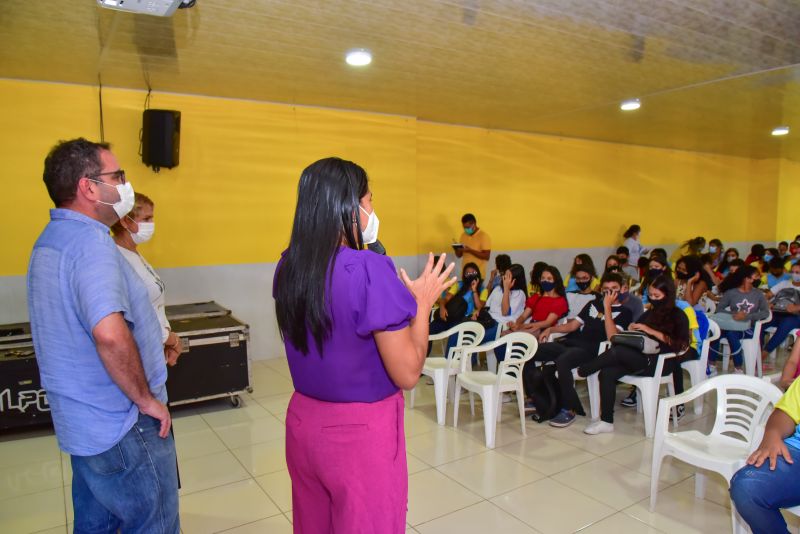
[
  {"x": 648, "y": 388},
  {"x": 751, "y": 349},
  {"x": 520, "y": 347},
  {"x": 697, "y": 368},
  {"x": 709, "y": 306},
  {"x": 491, "y": 357},
  {"x": 742, "y": 404},
  {"x": 440, "y": 369}
]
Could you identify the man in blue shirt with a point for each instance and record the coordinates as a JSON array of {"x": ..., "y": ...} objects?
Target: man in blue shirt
[{"x": 98, "y": 345}]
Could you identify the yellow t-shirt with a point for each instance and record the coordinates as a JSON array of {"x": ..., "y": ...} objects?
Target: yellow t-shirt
[
  {"x": 484, "y": 294},
  {"x": 480, "y": 240},
  {"x": 790, "y": 405}
]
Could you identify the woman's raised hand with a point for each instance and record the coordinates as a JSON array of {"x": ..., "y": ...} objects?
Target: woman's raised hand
[{"x": 434, "y": 279}]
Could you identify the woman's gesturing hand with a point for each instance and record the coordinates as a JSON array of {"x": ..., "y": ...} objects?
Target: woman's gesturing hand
[{"x": 434, "y": 279}]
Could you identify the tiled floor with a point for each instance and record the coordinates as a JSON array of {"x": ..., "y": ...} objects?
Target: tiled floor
[{"x": 235, "y": 480}]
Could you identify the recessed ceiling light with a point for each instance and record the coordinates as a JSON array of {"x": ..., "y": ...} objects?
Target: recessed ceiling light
[
  {"x": 780, "y": 130},
  {"x": 358, "y": 57},
  {"x": 630, "y": 104}
]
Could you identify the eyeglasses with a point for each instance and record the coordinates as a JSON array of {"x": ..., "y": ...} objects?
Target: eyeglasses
[{"x": 119, "y": 175}]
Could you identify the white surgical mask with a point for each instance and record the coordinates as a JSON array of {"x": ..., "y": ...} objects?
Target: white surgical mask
[
  {"x": 712, "y": 249},
  {"x": 127, "y": 198},
  {"x": 370, "y": 233},
  {"x": 145, "y": 233},
  {"x": 795, "y": 277}
]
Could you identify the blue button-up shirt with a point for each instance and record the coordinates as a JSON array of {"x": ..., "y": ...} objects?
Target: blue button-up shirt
[{"x": 76, "y": 277}]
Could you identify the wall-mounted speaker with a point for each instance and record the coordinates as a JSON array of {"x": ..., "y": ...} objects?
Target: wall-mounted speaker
[{"x": 161, "y": 138}]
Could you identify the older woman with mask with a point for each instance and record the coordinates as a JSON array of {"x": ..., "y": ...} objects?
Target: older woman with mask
[{"x": 131, "y": 231}]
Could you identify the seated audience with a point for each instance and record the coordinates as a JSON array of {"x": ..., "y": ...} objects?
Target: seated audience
[
  {"x": 692, "y": 247},
  {"x": 506, "y": 303},
  {"x": 777, "y": 272},
  {"x": 731, "y": 255},
  {"x": 624, "y": 257},
  {"x": 785, "y": 303},
  {"x": 741, "y": 304},
  {"x": 597, "y": 322},
  {"x": 629, "y": 300},
  {"x": 583, "y": 294},
  {"x": 794, "y": 253},
  {"x": 757, "y": 252},
  {"x": 582, "y": 261},
  {"x": 613, "y": 265},
  {"x": 536, "y": 274},
  {"x": 463, "y": 301},
  {"x": 771, "y": 479},
  {"x": 665, "y": 323},
  {"x": 708, "y": 267},
  {"x": 716, "y": 251},
  {"x": 544, "y": 307},
  {"x": 658, "y": 266},
  {"x": 783, "y": 250},
  {"x": 692, "y": 280},
  {"x": 502, "y": 262}
]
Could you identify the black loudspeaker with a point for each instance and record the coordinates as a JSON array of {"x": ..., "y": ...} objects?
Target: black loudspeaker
[{"x": 161, "y": 136}]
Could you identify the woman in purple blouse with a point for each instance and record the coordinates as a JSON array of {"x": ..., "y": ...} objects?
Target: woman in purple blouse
[{"x": 352, "y": 341}]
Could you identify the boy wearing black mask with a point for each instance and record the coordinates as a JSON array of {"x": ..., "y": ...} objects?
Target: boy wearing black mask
[{"x": 576, "y": 300}]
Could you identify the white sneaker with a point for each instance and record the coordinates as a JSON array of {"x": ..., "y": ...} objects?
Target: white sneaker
[
  {"x": 507, "y": 398},
  {"x": 712, "y": 371},
  {"x": 738, "y": 371},
  {"x": 599, "y": 427}
]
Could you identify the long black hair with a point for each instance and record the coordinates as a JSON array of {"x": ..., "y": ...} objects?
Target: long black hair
[
  {"x": 725, "y": 263},
  {"x": 631, "y": 231},
  {"x": 560, "y": 290},
  {"x": 326, "y": 215},
  {"x": 664, "y": 317},
  {"x": 694, "y": 265},
  {"x": 466, "y": 286},
  {"x": 518, "y": 274},
  {"x": 736, "y": 278}
]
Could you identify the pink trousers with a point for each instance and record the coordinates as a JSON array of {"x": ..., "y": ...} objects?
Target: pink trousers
[{"x": 348, "y": 466}]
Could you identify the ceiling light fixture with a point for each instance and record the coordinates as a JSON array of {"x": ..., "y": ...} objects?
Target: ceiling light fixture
[
  {"x": 780, "y": 130},
  {"x": 358, "y": 57},
  {"x": 630, "y": 104}
]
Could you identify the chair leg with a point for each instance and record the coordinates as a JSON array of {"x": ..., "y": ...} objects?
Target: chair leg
[
  {"x": 489, "y": 398},
  {"x": 456, "y": 403},
  {"x": 472, "y": 404},
  {"x": 593, "y": 384},
  {"x": 440, "y": 393},
  {"x": 491, "y": 361},
  {"x": 655, "y": 472},
  {"x": 521, "y": 406},
  {"x": 700, "y": 484},
  {"x": 648, "y": 402},
  {"x": 674, "y": 409},
  {"x": 697, "y": 375},
  {"x": 411, "y": 396},
  {"x": 499, "y": 407}
]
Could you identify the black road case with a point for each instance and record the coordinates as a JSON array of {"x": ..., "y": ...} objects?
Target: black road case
[
  {"x": 214, "y": 362},
  {"x": 23, "y": 402}
]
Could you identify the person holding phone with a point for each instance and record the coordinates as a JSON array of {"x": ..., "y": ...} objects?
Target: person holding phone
[{"x": 475, "y": 244}]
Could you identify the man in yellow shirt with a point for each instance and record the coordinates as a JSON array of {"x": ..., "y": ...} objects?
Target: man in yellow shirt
[
  {"x": 771, "y": 479},
  {"x": 477, "y": 245}
]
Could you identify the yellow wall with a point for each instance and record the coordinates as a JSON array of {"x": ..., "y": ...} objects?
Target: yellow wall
[
  {"x": 232, "y": 198},
  {"x": 789, "y": 200}
]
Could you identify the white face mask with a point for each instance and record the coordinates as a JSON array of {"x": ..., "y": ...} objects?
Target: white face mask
[
  {"x": 370, "y": 233},
  {"x": 145, "y": 233},
  {"x": 127, "y": 198}
]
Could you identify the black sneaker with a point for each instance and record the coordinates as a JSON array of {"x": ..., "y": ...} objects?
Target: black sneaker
[
  {"x": 681, "y": 411},
  {"x": 630, "y": 400}
]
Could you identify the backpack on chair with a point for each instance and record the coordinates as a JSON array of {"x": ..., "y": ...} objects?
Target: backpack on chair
[{"x": 542, "y": 386}]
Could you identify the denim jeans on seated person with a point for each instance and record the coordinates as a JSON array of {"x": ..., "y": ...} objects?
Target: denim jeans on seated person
[
  {"x": 133, "y": 486},
  {"x": 759, "y": 493},
  {"x": 734, "y": 338}
]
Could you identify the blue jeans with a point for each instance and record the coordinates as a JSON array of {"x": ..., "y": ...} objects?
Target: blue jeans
[
  {"x": 783, "y": 323},
  {"x": 759, "y": 493},
  {"x": 734, "y": 338},
  {"x": 133, "y": 486}
]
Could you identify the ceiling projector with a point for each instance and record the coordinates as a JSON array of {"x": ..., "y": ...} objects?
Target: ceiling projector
[{"x": 159, "y": 8}]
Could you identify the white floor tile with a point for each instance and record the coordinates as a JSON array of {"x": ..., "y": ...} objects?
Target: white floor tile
[
  {"x": 24, "y": 451},
  {"x": 546, "y": 454},
  {"x": 18, "y": 480},
  {"x": 210, "y": 471},
  {"x": 263, "y": 458},
  {"x": 415, "y": 465},
  {"x": 476, "y": 519},
  {"x": 249, "y": 411},
  {"x": 550, "y": 506},
  {"x": 225, "y": 507},
  {"x": 272, "y": 525},
  {"x": 278, "y": 486},
  {"x": 608, "y": 482},
  {"x": 432, "y": 495},
  {"x": 639, "y": 457},
  {"x": 678, "y": 511},
  {"x": 620, "y": 523},
  {"x": 197, "y": 443},
  {"x": 443, "y": 445},
  {"x": 251, "y": 432},
  {"x": 490, "y": 473},
  {"x": 31, "y": 513}
]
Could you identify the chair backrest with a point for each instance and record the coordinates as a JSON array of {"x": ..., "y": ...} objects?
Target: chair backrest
[
  {"x": 742, "y": 405},
  {"x": 712, "y": 335},
  {"x": 709, "y": 306},
  {"x": 520, "y": 347},
  {"x": 759, "y": 324},
  {"x": 469, "y": 334}
]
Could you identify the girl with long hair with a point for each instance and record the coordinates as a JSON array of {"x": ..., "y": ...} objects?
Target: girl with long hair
[{"x": 546, "y": 306}]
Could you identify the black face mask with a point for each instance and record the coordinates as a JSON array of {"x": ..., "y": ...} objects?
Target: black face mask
[
  {"x": 470, "y": 277},
  {"x": 756, "y": 282},
  {"x": 682, "y": 276},
  {"x": 656, "y": 302},
  {"x": 653, "y": 273},
  {"x": 583, "y": 286}
]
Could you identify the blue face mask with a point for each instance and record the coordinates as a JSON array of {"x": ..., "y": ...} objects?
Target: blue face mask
[
  {"x": 767, "y": 257},
  {"x": 469, "y": 231},
  {"x": 796, "y": 277},
  {"x": 712, "y": 249},
  {"x": 547, "y": 286}
]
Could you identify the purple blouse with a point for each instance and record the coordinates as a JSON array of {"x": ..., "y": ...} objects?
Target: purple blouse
[{"x": 365, "y": 295}]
